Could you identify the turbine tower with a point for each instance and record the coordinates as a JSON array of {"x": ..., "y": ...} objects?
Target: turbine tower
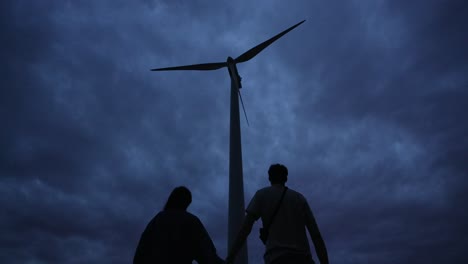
[{"x": 236, "y": 185}]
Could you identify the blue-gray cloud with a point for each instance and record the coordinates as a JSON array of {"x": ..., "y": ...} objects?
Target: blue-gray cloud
[{"x": 364, "y": 103}]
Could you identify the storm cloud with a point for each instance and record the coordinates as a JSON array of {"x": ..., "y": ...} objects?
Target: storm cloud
[{"x": 365, "y": 103}]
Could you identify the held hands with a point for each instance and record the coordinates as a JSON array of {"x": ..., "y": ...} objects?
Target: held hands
[{"x": 229, "y": 260}]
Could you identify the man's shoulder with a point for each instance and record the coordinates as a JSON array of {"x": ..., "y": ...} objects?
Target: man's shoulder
[
  {"x": 273, "y": 191},
  {"x": 296, "y": 193},
  {"x": 299, "y": 196},
  {"x": 264, "y": 190}
]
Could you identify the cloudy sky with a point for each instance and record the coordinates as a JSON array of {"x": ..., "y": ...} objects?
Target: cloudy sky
[{"x": 365, "y": 103}]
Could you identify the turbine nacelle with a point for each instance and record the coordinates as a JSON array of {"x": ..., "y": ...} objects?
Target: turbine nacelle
[{"x": 232, "y": 68}]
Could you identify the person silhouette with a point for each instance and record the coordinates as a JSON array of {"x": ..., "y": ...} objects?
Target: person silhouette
[
  {"x": 176, "y": 236},
  {"x": 285, "y": 215}
]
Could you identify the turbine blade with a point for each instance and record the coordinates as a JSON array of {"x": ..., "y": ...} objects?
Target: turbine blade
[
  {"x": 242, "y": 102},
  {"x": 194, "y": 67},
  {"x": 257, "y": 49}
]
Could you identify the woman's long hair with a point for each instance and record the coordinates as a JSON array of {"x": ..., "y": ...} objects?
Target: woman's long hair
[{"x": 180, "y": 198}]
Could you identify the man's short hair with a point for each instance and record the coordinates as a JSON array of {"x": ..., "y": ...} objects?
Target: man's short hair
[{"x": 278, "y": 174}]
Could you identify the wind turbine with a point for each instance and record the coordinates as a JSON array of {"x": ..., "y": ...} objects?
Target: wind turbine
[{"x": 236, "y": 185}]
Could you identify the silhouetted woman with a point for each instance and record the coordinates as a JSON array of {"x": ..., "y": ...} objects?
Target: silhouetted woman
[{"x": 175, "y": 235}]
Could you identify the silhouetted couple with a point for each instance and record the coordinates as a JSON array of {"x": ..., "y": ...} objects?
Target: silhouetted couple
[{"x": 176, "y": 236}]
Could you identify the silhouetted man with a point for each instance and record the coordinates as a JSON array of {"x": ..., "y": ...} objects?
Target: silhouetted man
[
  {"x": 175, "y": 236},
  {"x": 287, "y": 240}
]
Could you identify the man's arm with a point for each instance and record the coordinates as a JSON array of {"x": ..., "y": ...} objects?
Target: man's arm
[
  {"x": 244, "y": 232},
  {"x": 316, "y": 237}
]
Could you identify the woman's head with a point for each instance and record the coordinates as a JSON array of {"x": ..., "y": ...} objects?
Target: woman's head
[{"x": 180, "y": 198}]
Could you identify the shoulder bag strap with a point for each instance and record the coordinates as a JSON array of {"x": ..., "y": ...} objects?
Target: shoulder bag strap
[{"x": 276, "y": 209}]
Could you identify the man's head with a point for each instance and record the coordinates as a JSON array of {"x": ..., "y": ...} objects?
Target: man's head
[
  {"x": 179, "y": 199},
  {"x": 278, "y": 174}
]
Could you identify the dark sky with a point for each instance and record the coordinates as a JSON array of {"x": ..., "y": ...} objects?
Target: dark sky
[{"x": 366, "y": 103}]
